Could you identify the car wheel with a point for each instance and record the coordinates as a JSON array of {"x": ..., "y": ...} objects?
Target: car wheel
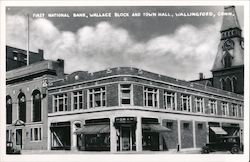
[
  {"x": 235, "y": 150},
  {"x": 205, "y": 151}
]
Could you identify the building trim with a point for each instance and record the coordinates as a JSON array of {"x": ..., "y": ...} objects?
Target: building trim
[{"x": 103, "y": 109}]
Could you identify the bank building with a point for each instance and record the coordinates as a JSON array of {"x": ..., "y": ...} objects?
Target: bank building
[{"x": 125, "y": 108}]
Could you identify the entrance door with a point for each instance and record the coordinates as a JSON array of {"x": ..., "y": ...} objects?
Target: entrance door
[
  {"x": 19, "y": 137},
  {"x": 126, "y": 139}
]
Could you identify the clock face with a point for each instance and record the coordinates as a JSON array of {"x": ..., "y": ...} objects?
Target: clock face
[{"x": 228, "y": 45}]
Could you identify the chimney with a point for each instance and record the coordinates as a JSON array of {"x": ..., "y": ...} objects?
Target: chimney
[
  {"x": 40, "y": 52},
  {"x": 201, "y": 76}
]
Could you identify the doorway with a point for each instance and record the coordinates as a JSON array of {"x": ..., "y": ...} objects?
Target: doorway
[
  {"x": 19, "y": 136},
  {"x": 126, "y": 138}
]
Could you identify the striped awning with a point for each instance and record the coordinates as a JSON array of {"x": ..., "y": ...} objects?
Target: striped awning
[
  {"x": 154, "y": 128},
  {"x": 218, "y": 130},
  {"x": 93, "y": 129}
]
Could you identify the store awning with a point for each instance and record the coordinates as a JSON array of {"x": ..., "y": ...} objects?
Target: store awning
[
  {"x": 154, "y": 128},
  {"x": 93, "y": 129},
  {"x": 218, "y": 130}
]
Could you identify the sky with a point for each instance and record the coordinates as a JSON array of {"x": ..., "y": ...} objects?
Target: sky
[{"x": 178, "y": 46}]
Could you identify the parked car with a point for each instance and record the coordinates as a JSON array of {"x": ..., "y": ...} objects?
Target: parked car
[{"x": 225, "y": 143}]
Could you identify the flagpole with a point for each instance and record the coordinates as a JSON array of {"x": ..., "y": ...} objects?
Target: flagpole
[{"x": 28, "y": 40}]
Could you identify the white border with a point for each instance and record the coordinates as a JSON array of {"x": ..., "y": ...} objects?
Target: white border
[{"x": 124, "y": 157}]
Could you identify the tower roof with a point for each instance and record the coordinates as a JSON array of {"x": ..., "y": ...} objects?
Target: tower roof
[{"x": 230, "y": 21}]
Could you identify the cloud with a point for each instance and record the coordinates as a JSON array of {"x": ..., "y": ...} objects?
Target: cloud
[{"x": 182, "y": 54}]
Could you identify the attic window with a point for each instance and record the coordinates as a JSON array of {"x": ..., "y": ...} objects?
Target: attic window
[{"x": 227, "y": 60}]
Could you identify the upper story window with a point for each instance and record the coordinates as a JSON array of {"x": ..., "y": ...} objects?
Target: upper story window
[
  {"x": 77, "y": 98},
  {"x": 22, "y": 107},
  {"x": 240, "y": 111},
  {"x": 36, "y": 106},
  {"x": 60, "y": 102},
  {"x": 169, "y": 100},
  {"x": 97, "y": 97},
  {"x": 199, "y": 104},
  {"x": 185, "y": 102},
  {"x": 234, "y": 110},
  {"x": 212, "y": 105},
  {"x": 8, "y": 110},
  {"x": 224, "y": 108},
  {"x": 125, "y": 94},
  {"x": 151, "y": 96}
]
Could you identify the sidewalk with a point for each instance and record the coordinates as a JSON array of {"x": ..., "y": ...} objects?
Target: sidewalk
[{"x": 184, "y": 151}]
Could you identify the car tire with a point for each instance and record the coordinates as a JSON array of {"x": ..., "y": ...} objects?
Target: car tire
[
  {"x": 235, "y": 150},
  {"x": 205, "y": 151}
]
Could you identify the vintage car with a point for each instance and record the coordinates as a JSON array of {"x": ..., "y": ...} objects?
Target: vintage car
[{"x": 224, "y": 143}]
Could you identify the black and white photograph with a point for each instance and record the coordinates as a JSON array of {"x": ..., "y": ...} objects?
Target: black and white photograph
[{"x": 127, "y": 80}]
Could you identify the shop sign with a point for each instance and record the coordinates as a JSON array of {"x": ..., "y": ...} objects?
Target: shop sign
[{"x": 125, "y": 120}]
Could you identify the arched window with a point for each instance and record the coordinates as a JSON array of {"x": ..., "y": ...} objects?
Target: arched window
[
  {"x": 36, "y": 105},
  {"x": 8, "y": 110},
  {"x": 228, "y": 86},
  {"x": 22, "y": 107},
  {"x": 234, "y": 83},
  {"x": 227, "y": 60},
  {"x": 223, "y": 84}
]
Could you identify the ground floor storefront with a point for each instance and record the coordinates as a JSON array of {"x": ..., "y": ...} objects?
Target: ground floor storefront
[{"x": 137, "y": 131}]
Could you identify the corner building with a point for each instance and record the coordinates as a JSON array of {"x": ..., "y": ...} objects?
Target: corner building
[{"x": 129, "y": 109}]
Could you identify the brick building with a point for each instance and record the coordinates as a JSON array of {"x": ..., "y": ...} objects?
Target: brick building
[
  {"x": 16, "y": 57},
  {"x": 26, "y": 103},
  {"x": 129, "y": 109}
]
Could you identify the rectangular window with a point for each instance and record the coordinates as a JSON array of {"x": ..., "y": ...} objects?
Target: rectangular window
[
  {"x": 8, "y": 135},
  {"x": 169, "y": 100},
  {"x": 185, "y": 102},
  {"x": 77, "y": 100},
  {"x": 234, "y": 110},
  {"x": 224, "y": 108},
  {"x": 200, "y": 126},
  {"x": 169, "y": 125},
  {"x": 60, "y": 102},
  {"x": 151, "y": 97},
  {"x": 199, "y": 106},
  {"x": 212, "y": 105},
  {"x": 186, "y": 125},
  {"x": 240, "y": 111},
  {"x": 97, "y": 97},
  {"x": 125, "y": 94},
  {"x": 36, "y": 134}
]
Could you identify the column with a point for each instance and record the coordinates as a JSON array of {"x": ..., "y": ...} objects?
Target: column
[
  {"x": 160, "y": 137},
  {"x": 138, "y": 134},
  {"x": 49, "y": 137},
  {"x": 179, "y": 134},
  {"x": 112, "y": 135},
  {"x": 207, "y": 126},
  {"x": 194, "y": 134}
]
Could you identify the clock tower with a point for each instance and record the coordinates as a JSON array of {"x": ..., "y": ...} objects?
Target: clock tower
[{"x": 228, "y": 68}]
